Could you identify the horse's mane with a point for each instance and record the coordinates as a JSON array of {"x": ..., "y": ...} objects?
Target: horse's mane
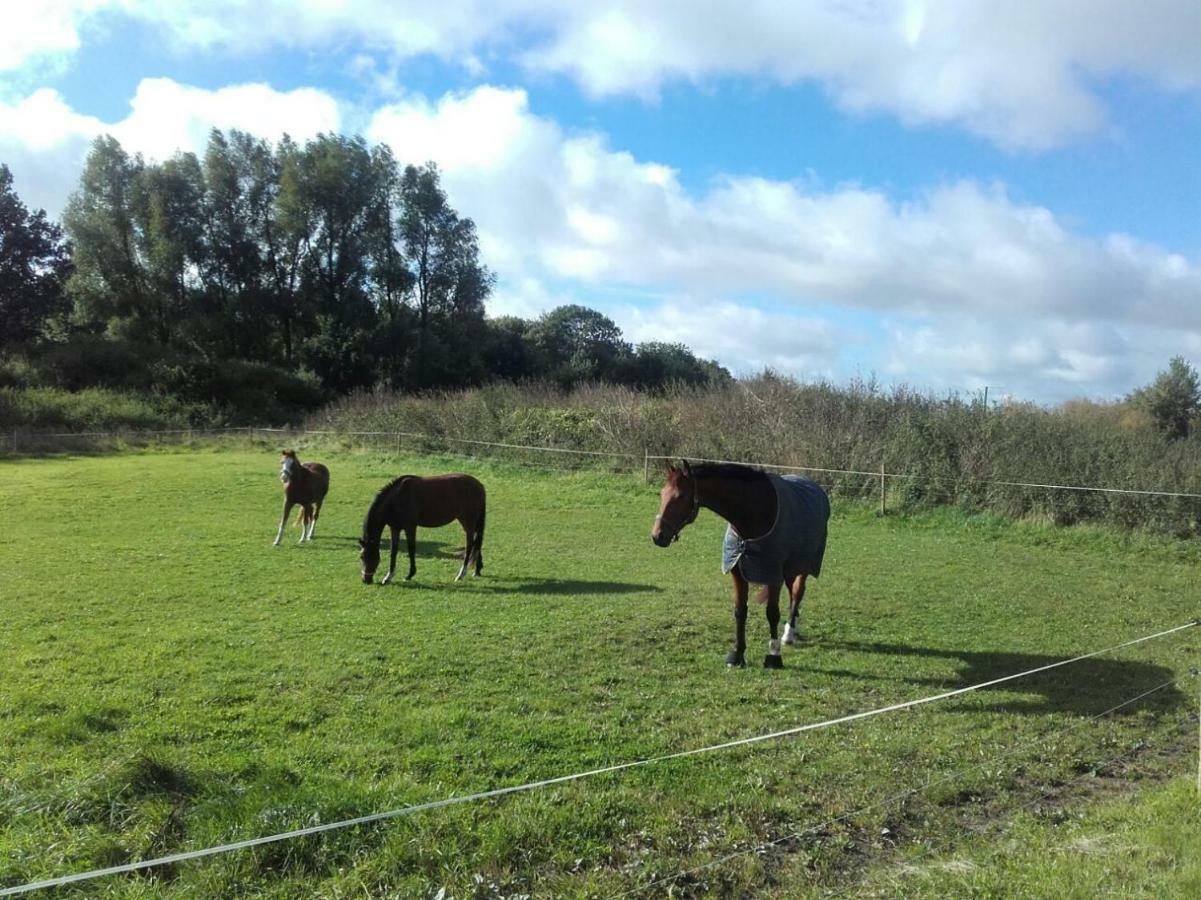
[
  {"x": 382, "y": 495},
  {"x": 732, "y": 471}
]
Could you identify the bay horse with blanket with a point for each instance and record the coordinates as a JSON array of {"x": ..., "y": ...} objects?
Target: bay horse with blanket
[
  {"x": 305, "y": 485},
  {"x": 429, "y": 502},
  {"x": 775, "y": 536}
]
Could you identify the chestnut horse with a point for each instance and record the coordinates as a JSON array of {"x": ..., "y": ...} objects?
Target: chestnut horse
[
  {"x": 431, "y": 502},
  {"x": 776, "y": 536},
  {"x": 304, "y": 486}
]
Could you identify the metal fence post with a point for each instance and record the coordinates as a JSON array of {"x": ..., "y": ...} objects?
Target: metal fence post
[
  {"x": 646, "y": 465},
  {"x": 883, "y": 508}
]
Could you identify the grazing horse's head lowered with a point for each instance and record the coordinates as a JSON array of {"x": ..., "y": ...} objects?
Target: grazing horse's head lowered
[
  {"x": 369, "y": 555},
  {"x": 679, "y": 504}
]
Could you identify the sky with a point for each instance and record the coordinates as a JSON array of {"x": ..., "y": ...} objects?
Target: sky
[{"x": 943, "y": 195}]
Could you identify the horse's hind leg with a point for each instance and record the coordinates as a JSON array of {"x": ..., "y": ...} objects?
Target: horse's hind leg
[
  {"x": 469, "y": 537},
  {"x": 773, "y": 659},
  {"x": 411, "y": 539},
  {"x": 306, "y": 518},
  {"x": 313, "y": 520},
  {"x": 479, "y": 543},
  {"x": 737, "y": 656},
  {"x": 796, "y": 593}
]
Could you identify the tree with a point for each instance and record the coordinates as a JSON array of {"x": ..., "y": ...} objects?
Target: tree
[
  {"x": 577, "y": 344},
  {"x": 109, "y": 281},
  {"x": 34, "y": 265},
  {"x": 449, "y": 283},
  {"x": 656, "y": 363},
  {"x": 1173, "y": 398}
]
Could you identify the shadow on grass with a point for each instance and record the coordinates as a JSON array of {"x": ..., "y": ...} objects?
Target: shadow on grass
[
  {"x": 343, "y": 544},
  {"x": 504, "y": 585},
  {"x": 1087, "y": 688}
]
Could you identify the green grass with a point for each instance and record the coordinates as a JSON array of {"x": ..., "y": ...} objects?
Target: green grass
[{"x": 169, "y": 681}]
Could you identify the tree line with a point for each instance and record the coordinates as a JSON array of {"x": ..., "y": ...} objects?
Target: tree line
[{"x": 326, "y": 262}]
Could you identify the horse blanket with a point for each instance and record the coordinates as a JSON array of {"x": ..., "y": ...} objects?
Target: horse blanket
[{"x": 796, "y": 540}]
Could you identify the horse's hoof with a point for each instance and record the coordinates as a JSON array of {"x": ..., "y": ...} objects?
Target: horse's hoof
[
  {"x": 387, "y": 579},
  {"x": 408, "y": 578},
  {"x": 735, "y": 659},
  {"x": 773, "y": 662}
]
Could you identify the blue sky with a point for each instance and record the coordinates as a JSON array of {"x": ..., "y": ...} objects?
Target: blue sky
[{"x": 944, "y": 195}]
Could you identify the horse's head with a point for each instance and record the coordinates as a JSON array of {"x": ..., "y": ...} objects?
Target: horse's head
[
  {"x": 287, "y": 463},
  {"x": 678, "y": 505},
  {"x": 369, "y": 555}
]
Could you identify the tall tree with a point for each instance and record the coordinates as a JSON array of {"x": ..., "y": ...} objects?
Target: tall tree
[
  {"x": 109, "y": 281},
  {"x": 449, "y": 283},
  {"x": 1173, "y": 398},
  {"x": 575, "y": 343},
  {"x": 34, "y": 264}
]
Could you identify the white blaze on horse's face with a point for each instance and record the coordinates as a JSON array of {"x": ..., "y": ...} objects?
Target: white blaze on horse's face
[
  {"x": 675, "y": 506},
  {"x": 285, "y": 469}
]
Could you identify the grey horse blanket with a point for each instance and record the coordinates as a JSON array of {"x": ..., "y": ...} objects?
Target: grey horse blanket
[{"x": 798, "y": 538}]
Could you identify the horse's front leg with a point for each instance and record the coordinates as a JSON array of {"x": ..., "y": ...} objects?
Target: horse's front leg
[
  {"x": 737, "y": 656},
  {"x": 411, "y": 538},
  {"x": 773, "y": 659},
  {"x": 796, "y": 592},
  {"x": 306, "y": 516},
  {"x": 392, "y": 559},
  {"x": 283, "y": 521}
]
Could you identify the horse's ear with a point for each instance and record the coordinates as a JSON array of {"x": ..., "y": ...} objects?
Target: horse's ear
[{"x": 685, "y": 468}]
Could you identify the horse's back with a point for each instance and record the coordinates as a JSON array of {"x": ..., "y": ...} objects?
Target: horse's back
[{"x": 444, "y": 498}]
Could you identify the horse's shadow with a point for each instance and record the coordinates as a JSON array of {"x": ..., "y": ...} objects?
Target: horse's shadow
[
  {"x": 1090, "y": 687},
  {"x": 531, "y": 585},
  {"x": 428, "y": 549}
]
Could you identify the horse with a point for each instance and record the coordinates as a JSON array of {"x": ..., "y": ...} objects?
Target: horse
[
  {"x": 776, "y": 535},
  {"x": 304, "y": 486},
  {"x": 431, "y": 502}
]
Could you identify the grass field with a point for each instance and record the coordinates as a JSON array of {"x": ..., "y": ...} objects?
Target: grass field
[{"x": 169, "y": 680}]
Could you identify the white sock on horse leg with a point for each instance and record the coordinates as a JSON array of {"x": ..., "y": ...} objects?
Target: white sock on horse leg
[
  {"x": 790, "y": 634},
  {"x": 773, "y": 647}
]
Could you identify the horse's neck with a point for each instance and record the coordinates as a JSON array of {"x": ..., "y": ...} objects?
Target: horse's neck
[
  {"x": 377, "y": 514},
  {"x": 750, "y": 506}
]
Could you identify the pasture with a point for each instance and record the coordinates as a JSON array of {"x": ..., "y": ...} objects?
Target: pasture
[{"x": 169, "y": 680}]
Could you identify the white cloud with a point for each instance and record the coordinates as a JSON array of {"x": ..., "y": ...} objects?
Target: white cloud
[
  {"x": 978, "y": 287},
  {"x": 744, "y": 338},
  {"x": 1021, "y": 74},
  {"x": 44, "y": 142}
]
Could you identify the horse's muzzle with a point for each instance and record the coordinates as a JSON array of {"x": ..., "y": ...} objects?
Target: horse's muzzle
[{"x": 662, "y": 539}]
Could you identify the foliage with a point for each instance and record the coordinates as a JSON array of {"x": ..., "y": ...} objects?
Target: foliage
[
  {"x": 937, "y": 450},
  {"x": 98, "y": 409},
  {"x": 1173, "y": 398},
  {"x": 34, "y": 263}
]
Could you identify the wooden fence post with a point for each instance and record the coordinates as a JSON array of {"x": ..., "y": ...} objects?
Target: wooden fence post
[
  {"x": 883, "y": 508},
  {"x": 646, "y": 465}
]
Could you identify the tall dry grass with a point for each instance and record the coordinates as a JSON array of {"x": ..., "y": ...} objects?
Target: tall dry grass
[{"x": 938, "y": 450}]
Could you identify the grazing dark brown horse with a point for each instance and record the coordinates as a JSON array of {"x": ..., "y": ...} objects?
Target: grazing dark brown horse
[
  {"x": 776, "y": 536},
  {"x": 304, "y": 486},
  {"x": 431, "y": 502}
]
